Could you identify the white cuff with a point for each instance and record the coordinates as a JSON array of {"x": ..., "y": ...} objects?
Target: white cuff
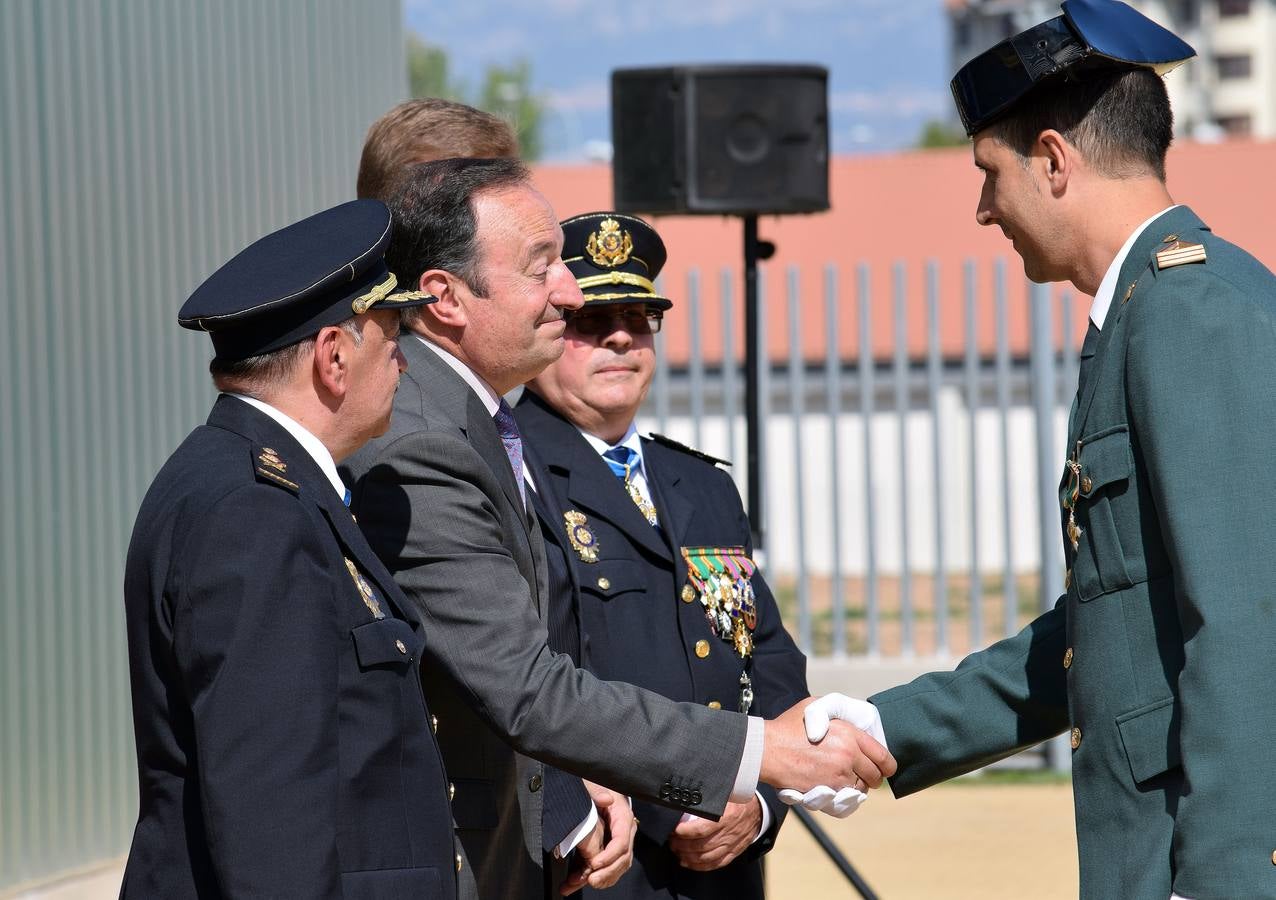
[
  {"x": 577, "y": 834},
  {"x": 746, "y": 777},
  {"x": 766, "y": 818}
]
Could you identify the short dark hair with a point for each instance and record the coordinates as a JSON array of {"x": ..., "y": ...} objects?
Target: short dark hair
[
  {"x": 426, "y": 129},
  {"x": 434, "y": 222},
  {"x": 254, "y": 374},
  {"x": 1119, "y": 118}
]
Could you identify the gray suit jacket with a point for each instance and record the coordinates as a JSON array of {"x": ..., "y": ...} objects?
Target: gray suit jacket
[{"x": 437, "y": 499}]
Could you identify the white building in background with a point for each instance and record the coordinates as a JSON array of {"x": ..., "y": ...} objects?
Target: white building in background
[{"x": 1229, "y": 90}]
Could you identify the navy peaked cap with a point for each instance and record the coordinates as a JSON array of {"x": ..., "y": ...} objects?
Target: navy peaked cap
[
  {"x": 1094, "y": 32},
  {"x": 286, "y": 286},
  {"x": 615, "y": 258}
]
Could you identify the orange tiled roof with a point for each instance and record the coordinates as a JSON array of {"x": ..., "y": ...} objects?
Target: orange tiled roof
[{"x": 912, "y": 207}]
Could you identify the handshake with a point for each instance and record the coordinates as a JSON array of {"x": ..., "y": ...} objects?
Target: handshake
[{"x": 823, "y": 764}]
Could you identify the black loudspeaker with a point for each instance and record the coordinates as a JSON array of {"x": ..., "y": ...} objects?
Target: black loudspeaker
[{"x": 720, "y": 139}]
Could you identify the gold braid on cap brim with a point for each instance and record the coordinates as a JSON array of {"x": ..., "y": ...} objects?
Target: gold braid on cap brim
[
  {"x": 616, "y": 278},
  {"x": 365, "y": 302},
  {"x": 591, "y": 298}
]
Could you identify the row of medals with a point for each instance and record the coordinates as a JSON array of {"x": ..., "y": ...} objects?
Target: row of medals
[{"x": 731, "y": 608}]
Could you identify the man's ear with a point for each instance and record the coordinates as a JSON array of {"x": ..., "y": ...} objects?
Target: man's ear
[
  {"x": 448, "y": 310},
  {"x": 332, "y": 359},
  {"x": 1059, "y": 158}
]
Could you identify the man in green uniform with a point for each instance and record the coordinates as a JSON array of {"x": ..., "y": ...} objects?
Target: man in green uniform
[{"x": 1159, "y": 659}]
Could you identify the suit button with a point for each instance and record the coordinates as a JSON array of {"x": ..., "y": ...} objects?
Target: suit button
[
  {"x": 458, "y": 862},
  {"x": 702, "y": 648},
  {"x": 451, "y": 791},
  {"x": 666, "y": 791},
  {"x": 714, "y": 704},
  {"x": 535, "y": 783},
  {"x": 434, "y": 724},
  {"x": 1076, "y": 738},
  {"x": 604, "y": 583},
  {"x": 1067, "y": 658},
  {"x": 688, "y": 593},
  {"x": 401, "y": 647},
  {"x": 1087, "y": 484},
  {"x": 696, "y": 798}
]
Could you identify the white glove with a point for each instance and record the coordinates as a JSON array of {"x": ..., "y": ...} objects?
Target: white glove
[{"x": 863, "y": 716}]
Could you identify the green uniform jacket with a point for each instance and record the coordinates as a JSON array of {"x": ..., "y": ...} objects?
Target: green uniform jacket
[{"x": 1161, "y": 657}]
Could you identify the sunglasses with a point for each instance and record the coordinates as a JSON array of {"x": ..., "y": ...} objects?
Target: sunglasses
[{"x": 599, "y": 322}]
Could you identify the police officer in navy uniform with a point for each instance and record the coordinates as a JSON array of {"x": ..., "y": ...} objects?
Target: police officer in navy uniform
[
  {"x": 1156, "y": 661},
  {"x": 651, "y": 569},
  {"x": 284, "y": 745}
]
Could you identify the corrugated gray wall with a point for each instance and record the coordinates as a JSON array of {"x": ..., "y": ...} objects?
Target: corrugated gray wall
[{"x": 141, "y": 145}]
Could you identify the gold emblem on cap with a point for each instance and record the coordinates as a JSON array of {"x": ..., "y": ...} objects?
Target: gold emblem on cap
[
  {"x": 609, "y": 246},
  {"x": 581, "y": 538}
]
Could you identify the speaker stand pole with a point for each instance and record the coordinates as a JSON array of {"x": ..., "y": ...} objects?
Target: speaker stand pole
[{"x": 754, "y": 356}]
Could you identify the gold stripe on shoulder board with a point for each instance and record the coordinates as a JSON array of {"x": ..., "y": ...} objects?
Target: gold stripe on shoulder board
[{"x": 1180, "y": 253}]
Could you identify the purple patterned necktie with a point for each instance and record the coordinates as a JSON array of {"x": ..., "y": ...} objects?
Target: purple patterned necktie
[{"x": 508, "y": 430}]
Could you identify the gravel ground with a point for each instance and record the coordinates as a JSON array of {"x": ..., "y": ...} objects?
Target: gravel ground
[{"x": 960, "y": 840}]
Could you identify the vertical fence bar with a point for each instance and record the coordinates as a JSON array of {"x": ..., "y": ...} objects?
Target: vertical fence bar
[
  {"x": 976, "y": 593},
  {"x": 901, "y": 376},
  {"x": 833, "y": 408},
  {"x": 797, "y": 388},
  {"x": 872, "y": 617},
  {"x": 1009, "y": 590},
  {"x": 1068, "y": 351},
  {"x": 934, "y": 381},
  {"x": 762, "y": 349},
  {"x": 695, "y": 359},
  {"x": 663, "y": 385},
  {"x": 729, "y": 369},
  {"x": 1045, "y": 403}
]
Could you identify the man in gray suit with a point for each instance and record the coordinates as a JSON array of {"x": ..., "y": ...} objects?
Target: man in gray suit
[{"x": 442, "y": 499}]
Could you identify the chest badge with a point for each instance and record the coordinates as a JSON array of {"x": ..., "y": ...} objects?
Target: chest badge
[
  {"x": 721, "y": 576},
  {"x": 365, "y": 590},
  {"x": 581, "y": 538}
]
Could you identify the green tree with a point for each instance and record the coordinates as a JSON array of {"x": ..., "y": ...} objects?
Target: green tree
[
  {"x": 506, "y": 91},
  {"x": 938, "y": 133},
  {"x": 428, "y": 71}
]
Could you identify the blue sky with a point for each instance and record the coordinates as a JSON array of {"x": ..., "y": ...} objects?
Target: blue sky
[{"x": 887, "y": 59}]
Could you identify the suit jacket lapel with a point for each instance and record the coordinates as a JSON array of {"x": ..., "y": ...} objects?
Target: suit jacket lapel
[
  {"x": 1137, "y": 268},
  {"x": 672, "y": 505},
  {"x": 256, "y": 426}
]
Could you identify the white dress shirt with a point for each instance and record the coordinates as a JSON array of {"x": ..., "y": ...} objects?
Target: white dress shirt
[
  {"x": 311, "y": 444},
  {"x": 1108, "y": 286}
]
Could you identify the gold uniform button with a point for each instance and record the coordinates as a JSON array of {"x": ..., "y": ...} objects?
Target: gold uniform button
[
  {"x": 714, "y": 704},
  {"x": 688, "y": 593},
  {"x": 535, "y": 784},
  {"x": 1067, "y": 658},
  {"x": 401, "y": 647},
  {"x": 1076, "y": 738},
  {"x": 1087, "y": 484},
  {"x": 1274, "y": 857},
  {"x": 702, "y": 649},
  {"x": 604, "y": 583},
  {"x": 434, "y": 724},
  {"x": 458, "y": 862}
]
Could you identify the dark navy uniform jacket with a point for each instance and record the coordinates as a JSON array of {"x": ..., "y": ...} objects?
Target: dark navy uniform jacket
[
  {"x": 284, "y": 746},
  {"x": 634, "y": 624}
]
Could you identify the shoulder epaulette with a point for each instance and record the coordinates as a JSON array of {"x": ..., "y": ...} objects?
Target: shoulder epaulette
[
  {"x": 272, "y": 469},
  {"x": 690, "y": 451},
  {"x": 1178, "y": 253}
]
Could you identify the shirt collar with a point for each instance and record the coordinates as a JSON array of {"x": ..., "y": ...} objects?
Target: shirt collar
[
  {"x": 311, "y": 444},
  {"x": 630, "y": 440},
  {"x": 1107, "y": 287},
  {"x": 491, "y": 399}
]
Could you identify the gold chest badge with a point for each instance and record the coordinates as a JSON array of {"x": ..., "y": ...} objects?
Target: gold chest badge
[
  {"x": 609, "y": 246},
  {"x": 581, "y": 538},
  {"x": 365, "y": 590}
]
